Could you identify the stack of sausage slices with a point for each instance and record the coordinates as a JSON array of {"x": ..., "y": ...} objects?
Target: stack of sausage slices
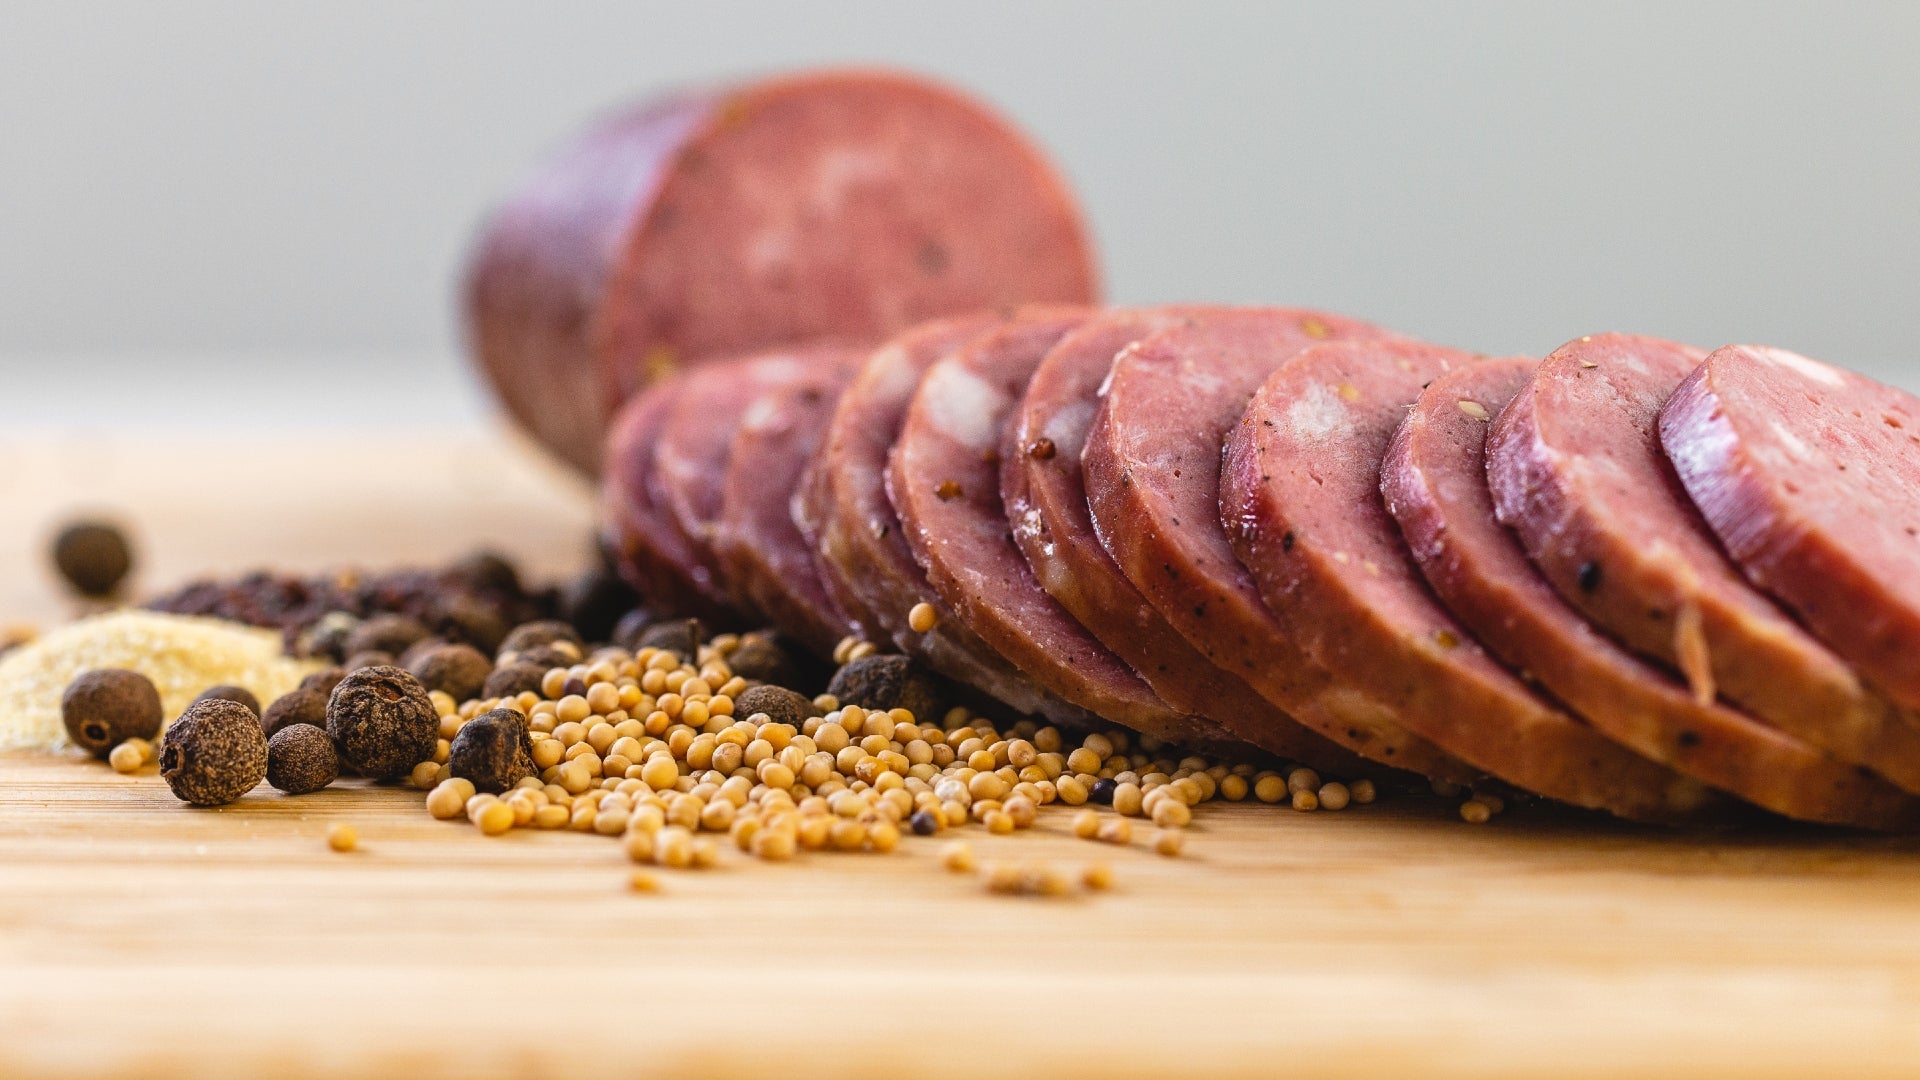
[{"x": 1634, "y": 577}]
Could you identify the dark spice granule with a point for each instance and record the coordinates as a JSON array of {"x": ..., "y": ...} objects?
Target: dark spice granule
[
  {"x": 391, "y": 634},
  {"x": 540, "y": 632},
  {"x": 923, "y": 824},
  {"x": 107, "y": 706},
  {"x": 493, "y": 750},
  {"x": 383, "y": 723},
  {"x": 301, "y": 759},
  {"x": 761, "y": 659},
  {"x": 370, "y": 658},
  {"x": 214, "y": 753},
  {"x": 512, "y": 679},
  {"x": 1102, "y": 791}
]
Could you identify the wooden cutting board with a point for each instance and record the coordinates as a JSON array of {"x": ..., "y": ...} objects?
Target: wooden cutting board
[{"x": 142, "y": 939}]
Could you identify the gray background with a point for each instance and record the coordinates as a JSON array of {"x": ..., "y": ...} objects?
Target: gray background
[{"x": 224, "y": 214}]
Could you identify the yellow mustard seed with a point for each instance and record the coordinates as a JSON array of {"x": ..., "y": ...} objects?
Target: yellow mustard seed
[
  {"x": 1172, "y": 814},
  {"x": 1234, "y": 788},
  {"x": 1086, "y": 824},
  {"x": 1116, "y": 831},
  {"x": 958, "y": 858},
  {"x": 1270, "y": 788},
  {"x": 551, "y": 816},
  {"x": 922, "y": 617},
  {"x": 494, "y": 818},
  {"x": 1097, "y": 877},
  {"x": 642, "y": 881},
  {"x": 1305, "y": 800},
  {"x": 1475, "y": 812},
  {"x": 1169, "y": 842},
  {"x": 125, "y": 758},
  {"x": 1127, "y": 800},
  {"x": 1334, "y": 795}
]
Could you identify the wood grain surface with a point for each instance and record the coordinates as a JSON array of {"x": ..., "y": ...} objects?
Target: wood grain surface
[{"x": 139, "y": 938}]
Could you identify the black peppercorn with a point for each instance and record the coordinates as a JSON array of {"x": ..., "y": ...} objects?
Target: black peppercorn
[
  {"x": 1102, "y": 791},
  {"x": 543, "y": 632},
  {"x": 301, "y": 759},
  {"x": 108, "y": 706},
  {"x": 760, "y": 660},
  {"x": 458, "y": 671},
  {"x": 513, "y": 679},
  {"x": 305, "y": 705},
  {"x": 382, "y": 722},
  {"x": 782, "y": 706},
  {"x": 683, "y": 636},
  {"x": 923, "y": 823},
  {"x": 370, "y": 658},
  {"x": 213, "y": 754},
  {"x": 887, "y": 682},
  {"x": 493, "y": 750},
  {"x": 239, "y": 695},
  {"x": 93, "y": 556},
  {"x": 390, "y": 634}
]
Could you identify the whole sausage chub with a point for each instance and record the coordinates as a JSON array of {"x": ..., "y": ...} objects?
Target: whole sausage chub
[{"x": 827, "y": 206}]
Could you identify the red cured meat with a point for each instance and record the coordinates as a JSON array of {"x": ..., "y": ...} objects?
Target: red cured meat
[
  {"x": 652, "y": 554},
  {"x": 765, "y": 561},
  {"x": 1810, "y": 477},
  {"x": 838, "y": 205},
  {"x": 862, "y": 553},
  {"x": 1046, "y": 504},
  {"x": 1576, "y": 470},
  {"x": 942, "y": 478},
  {"x": 1435, "y": 484},
  {"x": 1152, "y": 471},
  {"x": 1300, "y": 495}
]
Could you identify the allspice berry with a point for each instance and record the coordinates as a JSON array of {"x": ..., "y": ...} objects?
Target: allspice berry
[
  {"x": 214, "y": 753},
  {"x": 782, "y": 706},
  {"x": 390, "y": 634},
  {"x": 107, "y": 706},
  {"x": 382, "y": 722},
  {"x": 759, "y": 659},
  {"x": 887, "y": 682},
  {"x": 93, "y": 556},
  {"x": 493, "y": 750},
  {"x": 305, "y": 705},
  {"x": 324, "y": 680},
  {"x": 367, "y": 659},
  {"x": 301, "y": 759},
  {"x": 541, "y": 632},
  {"x": 512, "y": 679},
  {"x": 459, "y": 671},
  {"x": 683, "y": 636},
  {"x": 239, "y": 695}
]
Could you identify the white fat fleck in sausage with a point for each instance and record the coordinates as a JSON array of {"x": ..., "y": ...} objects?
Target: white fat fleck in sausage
[{"x": 963, "y": 407}]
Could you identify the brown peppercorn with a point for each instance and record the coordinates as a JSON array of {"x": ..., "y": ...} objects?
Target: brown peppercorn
[
  {"x": 759, "y": 659},
  {"x": 301, "y": 759},
  {"x": 887, "y": 682},
  {"x": 493, "y": 750},
  {"x": 214, "y": 754},
  {"x": 323, "y": 680},
  {"x": 239, "y": 695},
  {"x": 458, "y": 671},
  {"x": 367, "y": 659},
  {"x": 105, "y": 707},
  {"x": 684, "y": 636},
  {"x": 383, "y": 722},
  {"x": 300, "y": 706},
  {"x": 543, "y": 632},
  {"x": 513, "y": 678},
  {"x": 782, "y": 705},
  {"x": 390, "y": 634},
  {"x": 93, "y": 556}
]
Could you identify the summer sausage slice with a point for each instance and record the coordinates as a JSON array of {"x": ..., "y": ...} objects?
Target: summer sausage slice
[
  {"x": 862, "y": 552},
  {"x": 764, "y": 560},
  {"x": 1152, "y": 470},
  {"x": 689, "y": 476},
  {"x": 1300, "y": 495},
  {"x": 1046, "y": 503},
  {"x": 943, "y": 482},
  {"x": 1810, "y": 477},
  {"x": 1576, "y": 470},
  {"x": 1435, "y": 483},
  {"x": 835, "y": 205},
  {"x": 650, "y": 551}
]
